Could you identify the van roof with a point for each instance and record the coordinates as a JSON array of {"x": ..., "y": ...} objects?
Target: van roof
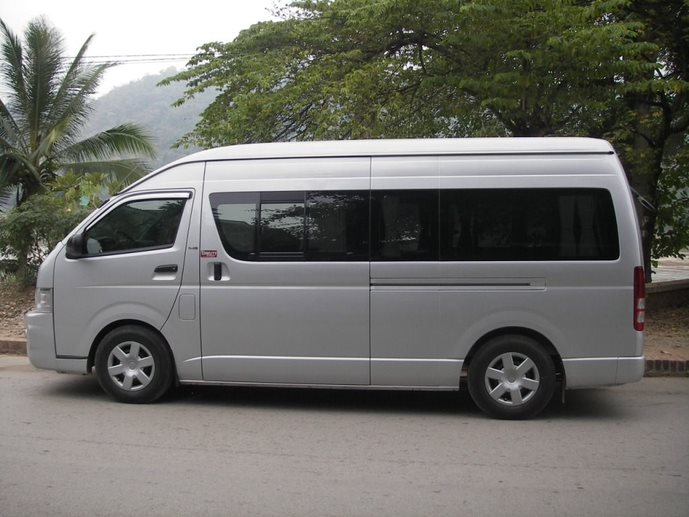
[
  {"x": 450, "y": 146},
  {"x": 401, "y": 147}
]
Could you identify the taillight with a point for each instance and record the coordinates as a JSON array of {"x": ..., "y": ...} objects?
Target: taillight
[{"x": 639, "y": 298}]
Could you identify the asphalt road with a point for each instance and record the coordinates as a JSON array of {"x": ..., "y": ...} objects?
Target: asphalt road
[{"x": 65, "y": 449}]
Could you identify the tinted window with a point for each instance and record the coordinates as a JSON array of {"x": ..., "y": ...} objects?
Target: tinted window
[
  {"x": 405, "y": 224},
  {"x": 236, "y": 218},
  {"x": 137, "y": 225},
  {"x": 293, "y": 225},
  {"x": 527, "y": 224},
  {"x": 337, "y": 226},
  {"x": 281, "y": 223},
  {"x": 413, "y": 225}
]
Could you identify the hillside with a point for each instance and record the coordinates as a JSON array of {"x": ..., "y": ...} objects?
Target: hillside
[{"x": 149, "y": 105}]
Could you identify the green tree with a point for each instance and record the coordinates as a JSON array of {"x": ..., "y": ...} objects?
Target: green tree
[
  {"x": 653, "y": 136},
  {"x": 32, "y": 229},
  {"x": 401, "y": 68},
  {"x": 44, "y": 105}
]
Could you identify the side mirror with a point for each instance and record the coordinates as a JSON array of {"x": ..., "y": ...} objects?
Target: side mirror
[{"x": 75, "y": 246}]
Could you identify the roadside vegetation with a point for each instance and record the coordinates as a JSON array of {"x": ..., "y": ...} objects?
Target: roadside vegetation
[
  {"x": 52, "y": 175},
  {"x": 338, "y": 69},
  {"x": 344, "y": 69}
]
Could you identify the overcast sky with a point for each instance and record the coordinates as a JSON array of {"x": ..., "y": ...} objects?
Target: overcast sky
[{"x": 139, "y": 27}]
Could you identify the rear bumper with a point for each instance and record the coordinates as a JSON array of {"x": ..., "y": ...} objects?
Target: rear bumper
[{"x": 603, "y": 371}]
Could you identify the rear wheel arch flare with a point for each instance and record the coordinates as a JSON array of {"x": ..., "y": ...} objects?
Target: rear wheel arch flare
[{"x": 521, "y": 331}]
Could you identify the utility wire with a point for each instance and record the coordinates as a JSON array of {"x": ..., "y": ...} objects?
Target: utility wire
[{"x": 124, "y": 59}]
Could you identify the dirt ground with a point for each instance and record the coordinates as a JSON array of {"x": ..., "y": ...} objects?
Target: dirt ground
[
  {"x": 667, "y": 330},
  {"x": 14, "y": 302}
]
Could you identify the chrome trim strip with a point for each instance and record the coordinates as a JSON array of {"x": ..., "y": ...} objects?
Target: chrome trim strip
[
  {"x": 279, "y": 357},
  {"x": 322, "y": 386},
  {"x": 452, "y": 283},
  {"x": 308, "y": 358},
  {"x": 413, "y": 360}
]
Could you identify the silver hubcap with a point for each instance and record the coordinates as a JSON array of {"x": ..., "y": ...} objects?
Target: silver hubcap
[
  {"x": 131, "y": 366},
  {"x": 512, "y": 379}
]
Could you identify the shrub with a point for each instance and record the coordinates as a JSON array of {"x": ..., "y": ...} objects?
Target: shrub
[{"x": 30, "y": 231}]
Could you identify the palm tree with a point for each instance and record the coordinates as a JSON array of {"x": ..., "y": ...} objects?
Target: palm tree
[{"x": 44, "y": 104}]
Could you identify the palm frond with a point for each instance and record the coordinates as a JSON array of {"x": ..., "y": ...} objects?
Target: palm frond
[
  {"x": 44, "y": 49},
  {"x": 10, "y": 134},
  {"x": 125, "y": 171},
  {"x": 7, "y": 194},
  {"x": 16, "y": 168},
  {"x": 71, "y": 82},
  {"x": 71, "y": 110},
  {"x": 13, "y": 71},
  {"x": 120, "y": 140},
  {"x": 42, "y": 116},
  {"x": 7, "y": 181}
]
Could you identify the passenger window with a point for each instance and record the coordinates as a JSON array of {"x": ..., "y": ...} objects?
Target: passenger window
[
  {"x": 405, "y": 225},
  {"x": 337, "y": 226},
  {"x": 136, "y": 226},
  {"x": 527, "y": 224},
  {"x": 236, "y": 216},
  {"x": 283, "y": 226}
]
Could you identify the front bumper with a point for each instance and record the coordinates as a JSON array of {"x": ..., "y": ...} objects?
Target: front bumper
[
  {"x": 40, "y": 346},
  {"x": 40, "y": 340}
]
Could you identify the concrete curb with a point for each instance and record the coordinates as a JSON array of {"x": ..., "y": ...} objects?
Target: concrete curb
[
  {"x": 666, "y": 368},
  {"x": 654, "y": 367},
  {"x": 672, "y": 293},
  {"x": 12, "y": 346}
]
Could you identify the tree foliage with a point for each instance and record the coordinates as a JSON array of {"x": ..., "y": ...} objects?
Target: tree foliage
[
  {"x": 28, "y": 232},
  {"x": 615, "y": 69},
  {"x": 46, "y": 101}
]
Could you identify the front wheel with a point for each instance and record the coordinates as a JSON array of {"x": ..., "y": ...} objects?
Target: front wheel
[
  {"x": 133, "y": 365},
  {"x": 511, "y": 377}
]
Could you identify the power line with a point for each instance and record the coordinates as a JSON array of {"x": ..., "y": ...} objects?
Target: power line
[
  {"x": 125, "y": 59},
  {"x": 133, "y": 55}
]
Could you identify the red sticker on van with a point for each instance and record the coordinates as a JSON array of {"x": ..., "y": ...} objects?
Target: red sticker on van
[{"x": 209, "y": 253}]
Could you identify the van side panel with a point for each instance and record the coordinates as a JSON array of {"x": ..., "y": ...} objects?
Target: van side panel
[
  {"x": 290, "y": 322},
  {"x": 182, "y": 330},
  {"x": 423, "y": 311},
  {"x": 94, "y": 292}
]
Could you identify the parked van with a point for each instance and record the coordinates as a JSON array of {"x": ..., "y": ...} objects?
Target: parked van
[{"x": 508, "y": 266}]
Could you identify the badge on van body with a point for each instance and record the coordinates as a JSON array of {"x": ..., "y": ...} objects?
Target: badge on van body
[{"x": 209, "y": 253}]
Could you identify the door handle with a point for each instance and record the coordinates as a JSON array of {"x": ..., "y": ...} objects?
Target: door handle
[
  {"x": 217, "y": 271},
  {"x": 167, "y": 268}
]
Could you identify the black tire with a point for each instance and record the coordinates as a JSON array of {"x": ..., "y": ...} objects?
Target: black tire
[
  {"x": 133, "y": 365},
  {"x": 511, "y": 377}
]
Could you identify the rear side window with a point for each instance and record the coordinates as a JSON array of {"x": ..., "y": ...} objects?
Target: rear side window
[
  {"x": 282, "y": 226},
  {"x": 405, "y": 225},
  {"x": 419, "y": 225},
  {"x": 136, "y": 226},
  {"x": 527, "y": 224}
]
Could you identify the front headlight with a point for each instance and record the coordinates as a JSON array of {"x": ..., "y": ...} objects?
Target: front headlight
[{"x": 44, "y": 299}]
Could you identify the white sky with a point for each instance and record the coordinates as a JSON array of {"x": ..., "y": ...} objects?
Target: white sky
[{"x": 139, "y": 27}]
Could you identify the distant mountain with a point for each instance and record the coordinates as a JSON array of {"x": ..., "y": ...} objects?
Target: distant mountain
[{"x": 149, "y": 105}]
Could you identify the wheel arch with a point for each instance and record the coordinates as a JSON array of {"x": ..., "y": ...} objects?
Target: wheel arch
[
  {"x": 542, "y": 340},
  {"x": 121, "y": 323}
]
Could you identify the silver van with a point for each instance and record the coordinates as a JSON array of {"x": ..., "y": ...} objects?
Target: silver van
[{"x": 507, "y": 266}]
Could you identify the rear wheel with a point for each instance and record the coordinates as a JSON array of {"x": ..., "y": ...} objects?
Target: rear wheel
[
  {"x": 511, "y": 377},
  {"x": 133, "y": 365}
]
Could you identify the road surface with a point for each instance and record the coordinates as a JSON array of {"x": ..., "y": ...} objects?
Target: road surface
[{"x": 65, "y": 449}]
